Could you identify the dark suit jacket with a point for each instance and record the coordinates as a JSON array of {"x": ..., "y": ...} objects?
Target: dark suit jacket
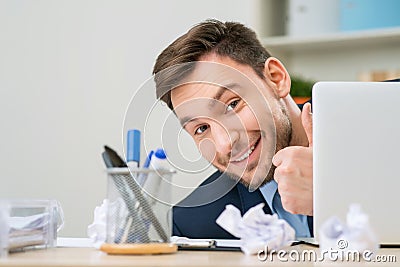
[{"x": 199, "y": 221}]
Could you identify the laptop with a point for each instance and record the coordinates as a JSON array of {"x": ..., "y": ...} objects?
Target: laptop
[{"x": 356, "y": 136}]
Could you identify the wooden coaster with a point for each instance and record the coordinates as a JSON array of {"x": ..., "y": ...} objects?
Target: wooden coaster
[{"x": 146, "y": 248}]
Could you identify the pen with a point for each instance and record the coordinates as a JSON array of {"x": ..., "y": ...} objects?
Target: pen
[
  {"x": 107, "y": 160},
  {"x": 142, "y": 176},
  {"x": 133, "y": 149},
  {"x": 148, "y": 159},
  {"x": 112, "y": 159}
]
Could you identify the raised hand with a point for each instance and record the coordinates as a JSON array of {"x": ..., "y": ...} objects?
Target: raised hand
[{"x": 294, "y": 171}]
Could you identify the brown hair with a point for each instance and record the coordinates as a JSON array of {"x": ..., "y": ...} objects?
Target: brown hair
[{"x": 230, "y": 39}]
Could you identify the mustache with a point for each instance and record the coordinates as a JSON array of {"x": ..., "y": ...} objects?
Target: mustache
[{"x": 223, "y": 159}]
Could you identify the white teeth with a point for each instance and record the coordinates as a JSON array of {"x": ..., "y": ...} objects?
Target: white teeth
[{"x": 245, "y": 155}]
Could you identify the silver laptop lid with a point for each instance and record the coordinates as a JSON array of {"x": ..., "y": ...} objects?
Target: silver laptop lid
[{"x": 356, "y": 135}]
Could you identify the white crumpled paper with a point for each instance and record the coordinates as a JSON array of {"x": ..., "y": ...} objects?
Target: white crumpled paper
[
  {"x": 97, "y": 230},
  {"x": 355, "y": 235},
  {"x": 256, "y": 229}
]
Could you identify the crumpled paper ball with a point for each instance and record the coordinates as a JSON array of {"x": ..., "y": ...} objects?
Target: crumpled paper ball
[
  {"x": 355, "y": 235},
  {"x": 256, "y": 229},
  {"x": 97, "y": 231}
]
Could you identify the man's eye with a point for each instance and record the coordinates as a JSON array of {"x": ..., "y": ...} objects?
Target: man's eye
[
  {"x": 201, "y": 129},
  {"x": 232, "y": 105}
]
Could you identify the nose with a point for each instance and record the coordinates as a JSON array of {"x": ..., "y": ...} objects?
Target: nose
[{"x": 224, "y": 138}]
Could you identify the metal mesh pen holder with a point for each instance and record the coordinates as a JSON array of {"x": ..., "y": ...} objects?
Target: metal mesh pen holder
[{"x": 139, "y": 216}]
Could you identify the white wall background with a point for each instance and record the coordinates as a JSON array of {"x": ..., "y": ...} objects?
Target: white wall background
[{"x": 67, "y": 72}]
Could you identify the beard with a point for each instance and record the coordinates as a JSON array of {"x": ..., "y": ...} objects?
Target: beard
[{"x": 283, "y": 126}]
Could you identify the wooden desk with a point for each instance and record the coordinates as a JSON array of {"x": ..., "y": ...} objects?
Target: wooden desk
[{"x": 79, "y": 257}]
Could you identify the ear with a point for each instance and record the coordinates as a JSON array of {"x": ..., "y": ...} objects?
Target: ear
[{"x": 277, "y": 75}]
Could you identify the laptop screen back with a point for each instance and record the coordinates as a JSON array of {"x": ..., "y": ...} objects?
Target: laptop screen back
[{"x": 356, "y": 135}]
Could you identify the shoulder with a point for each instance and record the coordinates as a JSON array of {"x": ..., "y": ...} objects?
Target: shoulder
[
  {"x": 195, "y": 215},
  {"x": 215, "y": 187}
]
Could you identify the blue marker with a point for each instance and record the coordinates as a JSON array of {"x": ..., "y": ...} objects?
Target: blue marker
[
  {"x": 133, "y": 148},
  {"x": 142, "y": 176},
  {"x": 157, "y": 182},
  {"x": 159, "y": 160},
  {"x": 148, "y": 159}
]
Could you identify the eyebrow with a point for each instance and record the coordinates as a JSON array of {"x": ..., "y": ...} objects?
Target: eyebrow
[{"x": 217, "y": 97}]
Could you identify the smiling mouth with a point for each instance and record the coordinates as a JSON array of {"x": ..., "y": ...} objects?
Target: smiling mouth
[{"x": 248, "y": 152}]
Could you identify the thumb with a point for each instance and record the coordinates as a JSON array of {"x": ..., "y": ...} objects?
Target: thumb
[{"x": 306, "y": 120}]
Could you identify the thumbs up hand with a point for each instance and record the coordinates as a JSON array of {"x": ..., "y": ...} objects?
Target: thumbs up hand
[{"x": 294, "y": 171}]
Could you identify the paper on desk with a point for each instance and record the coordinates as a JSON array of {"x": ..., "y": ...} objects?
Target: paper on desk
[
  {"x": 28, "y": 230},
  {"x": 97, "y": 231},
  {"x": 355, "y": 235},
  {"x": 33, "y": 222},
  {"x": 256, "y": 229}
]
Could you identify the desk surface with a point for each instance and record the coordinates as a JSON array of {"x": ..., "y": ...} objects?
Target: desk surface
[{"x": 79, "y": 257}]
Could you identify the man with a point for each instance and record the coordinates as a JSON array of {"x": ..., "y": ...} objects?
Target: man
[{"x": 233, "y": 98}]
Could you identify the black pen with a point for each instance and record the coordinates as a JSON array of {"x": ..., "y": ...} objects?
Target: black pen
[{"x": 113, "y": 158}]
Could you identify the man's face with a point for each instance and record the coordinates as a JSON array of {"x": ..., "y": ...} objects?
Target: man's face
[{"x": 236, "y": 120}]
